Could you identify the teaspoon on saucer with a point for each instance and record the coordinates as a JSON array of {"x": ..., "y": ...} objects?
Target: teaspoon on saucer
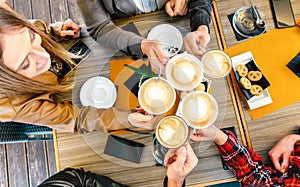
[{"x": 259, "y": 22}]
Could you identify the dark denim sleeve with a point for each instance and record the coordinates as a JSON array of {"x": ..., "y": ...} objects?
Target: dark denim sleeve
[
  {"x": 200, "y": 13},
  {"x": 71, "y": 177}
]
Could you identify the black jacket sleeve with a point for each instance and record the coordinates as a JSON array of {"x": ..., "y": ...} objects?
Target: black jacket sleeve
[
  {"x": 200, "y": 13},
  {"x": 71, "y": 177}
]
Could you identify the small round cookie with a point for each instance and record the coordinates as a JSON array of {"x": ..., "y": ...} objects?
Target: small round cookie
[
  {"x": 245, "y": 83},
  {"x": 254, "y": 75},
  {"x": 256, "y": 90},
  {"x": 182, "y": 94},
  {"x": 201, "y": 87},
  {"x": 242, "y": 70}
]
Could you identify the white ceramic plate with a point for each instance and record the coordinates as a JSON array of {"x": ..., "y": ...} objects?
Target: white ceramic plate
[
  {"x": 255, "y": 101},
  {"x": 168, "y": 35},
  {"x": 98, "y": 92}
]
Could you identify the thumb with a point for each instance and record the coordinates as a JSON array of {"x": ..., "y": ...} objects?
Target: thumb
[
  {"x": 284, "y": 164},
  {"x": 68, "y": 33},
  {"x": 169, "y": 9},
  {"x": 181, "y": 157}
]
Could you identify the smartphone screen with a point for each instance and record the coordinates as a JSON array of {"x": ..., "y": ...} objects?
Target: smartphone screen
[
  {"x": 124, "y": 149},
  {"x": 294, "y": 65},
  {"x": 79, "y": 48},
  {"x": 283, "y": 13}
]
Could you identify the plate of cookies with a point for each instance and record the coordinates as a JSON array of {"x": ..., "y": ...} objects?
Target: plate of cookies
[{"x": 251, "y": 80}]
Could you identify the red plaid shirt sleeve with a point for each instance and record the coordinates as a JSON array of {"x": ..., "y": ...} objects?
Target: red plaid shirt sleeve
[{"x": 247, "y": 165}]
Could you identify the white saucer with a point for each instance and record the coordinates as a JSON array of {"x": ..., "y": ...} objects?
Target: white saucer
[
  {"x": 168, "y": 35},
  {"x": 98, "y": 92}
]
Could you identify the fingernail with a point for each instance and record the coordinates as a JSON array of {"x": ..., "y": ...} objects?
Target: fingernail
[
  {"x": 164, "y": 60},
  {"x": 182, "y": 149},
  {"x": 283, "y": 170}
]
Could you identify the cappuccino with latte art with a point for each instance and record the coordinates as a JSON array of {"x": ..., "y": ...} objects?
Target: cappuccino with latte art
[
  {"x": 156, "y": 96},
  {"x": 172, "y": 131},
  {"x": 216, "y": 63},
  {"x": 199, "y": 109},
  {"x": 183, "y": 71}
]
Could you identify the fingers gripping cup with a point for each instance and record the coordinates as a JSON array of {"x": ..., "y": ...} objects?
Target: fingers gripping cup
[
  {"x": 171, "y": 132},
  {"x": 184, "y": 72},
  {"x": 199, "y": 109},
  {"x": 156, "y": 96},
  {"x": 216, "y": 63}
]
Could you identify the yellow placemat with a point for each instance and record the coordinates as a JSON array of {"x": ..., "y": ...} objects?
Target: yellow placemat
[
  {"x": 126, "y": 100},
  {"x": 272, "y": 51},
  {"x": 119, "y": 74}
]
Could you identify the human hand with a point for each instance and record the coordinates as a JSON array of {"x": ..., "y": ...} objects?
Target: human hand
[
  {"x": 282, "y": 151},
  {"x": 180, "y": 163},
  {"x": 196, "y": 42},
  {"x": 206, "y": 134},
  {"x": 70, "y": 29},
  {"x": 154, "y": 50},
  {"x": 211, "y": 133},
  {"x": 142, "y": 120},
  {"x": 176, "y": 7}
]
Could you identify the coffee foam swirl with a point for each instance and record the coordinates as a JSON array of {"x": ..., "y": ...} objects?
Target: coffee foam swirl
[
  {"x": 172, "y": 131},
  {"x": 198, "y": 109},
  {"x": 216, "y": 64},
  {"x": 156, "y": 96},
  {"x": 184, "y": 73}
]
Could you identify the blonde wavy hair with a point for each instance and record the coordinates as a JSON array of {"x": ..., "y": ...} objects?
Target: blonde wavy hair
[{"x": 13, "y": 83}]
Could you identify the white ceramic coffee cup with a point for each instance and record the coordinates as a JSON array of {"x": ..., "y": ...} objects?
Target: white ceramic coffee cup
[
  {"x": 172, "y": 131},
  {"x": 199, "y": 109},
  {"x": 184, "y": 72},
  {"x": 216, "y": 63},
  {"x": 156, "y": 96}
]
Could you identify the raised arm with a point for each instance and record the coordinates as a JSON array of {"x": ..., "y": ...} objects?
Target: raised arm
[
  {"x": 103, "y": 30},
  {"x": 200, "y": 13},
  {"x": 246, "y": 164},
  {"x": 196, "y": 41},
  {"x": 62, "y": 116}
]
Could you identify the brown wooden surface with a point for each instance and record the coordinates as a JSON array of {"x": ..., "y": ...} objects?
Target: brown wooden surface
[
  {"x": 3, "y": 166},
  {"x": 81, "y": 151},
  {"x": 263, "y": 133},
  {"x": 87, "y": 150},
  {"x": 28, "y": 164}
]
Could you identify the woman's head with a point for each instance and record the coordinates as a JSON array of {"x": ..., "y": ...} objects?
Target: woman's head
[
  {"x": 26, "y": 52},
  {"x": 22, "y": 52}
]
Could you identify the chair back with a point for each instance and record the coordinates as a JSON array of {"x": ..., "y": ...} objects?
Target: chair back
[{"x": 16, "y": 132}]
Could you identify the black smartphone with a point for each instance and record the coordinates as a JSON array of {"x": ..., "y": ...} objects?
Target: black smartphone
[
  {"x": 294, "y": 65},
  {"x": 283, "y": 13},
  {"x": 124, "y": 148},
  {"x": 79, "y": 48}
]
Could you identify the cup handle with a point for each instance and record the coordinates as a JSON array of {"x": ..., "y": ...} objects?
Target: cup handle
[{"x": 194, "y": 131}]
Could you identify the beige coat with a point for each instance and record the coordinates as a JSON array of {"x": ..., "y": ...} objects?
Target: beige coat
[{"x": 65, "y": 116}]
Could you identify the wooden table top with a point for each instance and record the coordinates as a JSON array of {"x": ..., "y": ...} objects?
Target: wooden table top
[
  {"x": 87, "y": 150},
  {"x": 262, "y": 133}
]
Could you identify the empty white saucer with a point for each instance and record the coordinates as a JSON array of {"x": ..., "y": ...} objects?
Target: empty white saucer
[
  {"x": 169, "y": 36},
  {"x": 98, "y": 92}
]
